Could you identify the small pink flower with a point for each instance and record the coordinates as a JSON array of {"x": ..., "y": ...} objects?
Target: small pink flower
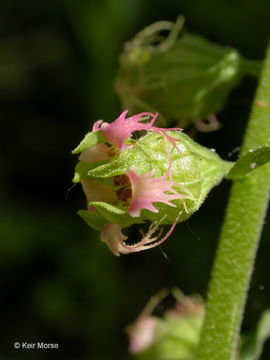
[
  {"x": 147, "y": 190},
  {"x": 138, "y": 191},
  {"x": 122, "y": 128}
]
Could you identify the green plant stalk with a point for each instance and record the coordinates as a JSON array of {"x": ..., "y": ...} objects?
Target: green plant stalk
[
  {"x": 251, "y": 67},
  {"x": 239, "y": 239}
]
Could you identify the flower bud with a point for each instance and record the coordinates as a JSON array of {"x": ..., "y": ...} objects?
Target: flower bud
[
  {"x": 175, "y": 335},
  {"x": 162, "y": 176},
  {"x": 186, "y": 79}
]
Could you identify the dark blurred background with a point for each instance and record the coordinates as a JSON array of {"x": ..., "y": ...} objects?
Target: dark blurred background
[{"x": 59, "y": 283}]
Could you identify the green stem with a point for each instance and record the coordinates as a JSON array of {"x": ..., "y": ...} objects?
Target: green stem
[
  {"x": 239, "y": 239},
  {"x": 251, "y": 67}
]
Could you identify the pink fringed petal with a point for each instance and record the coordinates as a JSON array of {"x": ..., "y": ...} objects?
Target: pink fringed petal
[
  {"x": 149, "y": 240},
  {"x": 147, "y": 190},
  {"x": 97, "y": 125},
  {"x": 111, "y": 234},
  {"x": 122, "y": 128}
]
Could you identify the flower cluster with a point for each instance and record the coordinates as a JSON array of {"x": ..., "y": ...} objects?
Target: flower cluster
[
  {"x": 159, "y": 176},
  {"x": 150, "y": 334}
]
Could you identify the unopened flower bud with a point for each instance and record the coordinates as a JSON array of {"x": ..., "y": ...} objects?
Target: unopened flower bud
[
  {"x": 175, "y": 335},
  {"x": 186, "y": 79}
]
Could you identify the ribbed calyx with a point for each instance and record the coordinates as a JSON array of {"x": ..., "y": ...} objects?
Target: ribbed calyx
[{"x": 132, "y": 172}]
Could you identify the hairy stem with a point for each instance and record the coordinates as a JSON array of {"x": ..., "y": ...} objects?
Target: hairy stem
[{"x": 239, "y": 239}]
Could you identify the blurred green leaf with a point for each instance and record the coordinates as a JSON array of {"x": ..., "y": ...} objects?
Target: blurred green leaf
[{"x": 249, "y": 162}]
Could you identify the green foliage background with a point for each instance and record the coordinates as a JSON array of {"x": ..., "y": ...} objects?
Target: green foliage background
[{"x": 57, "y": 66}]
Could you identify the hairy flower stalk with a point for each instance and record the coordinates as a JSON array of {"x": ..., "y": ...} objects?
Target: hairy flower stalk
[{"x": 162, "y": 176}]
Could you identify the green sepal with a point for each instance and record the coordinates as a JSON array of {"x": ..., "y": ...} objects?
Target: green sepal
[
  {"x": 114, "y": 214},
  {"x": 116, "y": 167},
  {"x": 252, "y": 344},
  {"x": 82, "y": 169},
  {"x": 91, "y": 139},
  {"x": 249, "y": 162},
  {"x": 93, "y": 219}
]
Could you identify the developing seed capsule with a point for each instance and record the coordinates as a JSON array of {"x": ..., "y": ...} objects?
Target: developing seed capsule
[
  {"x": 185, "y": 78},
  {"x": 162, "y": 176}
]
